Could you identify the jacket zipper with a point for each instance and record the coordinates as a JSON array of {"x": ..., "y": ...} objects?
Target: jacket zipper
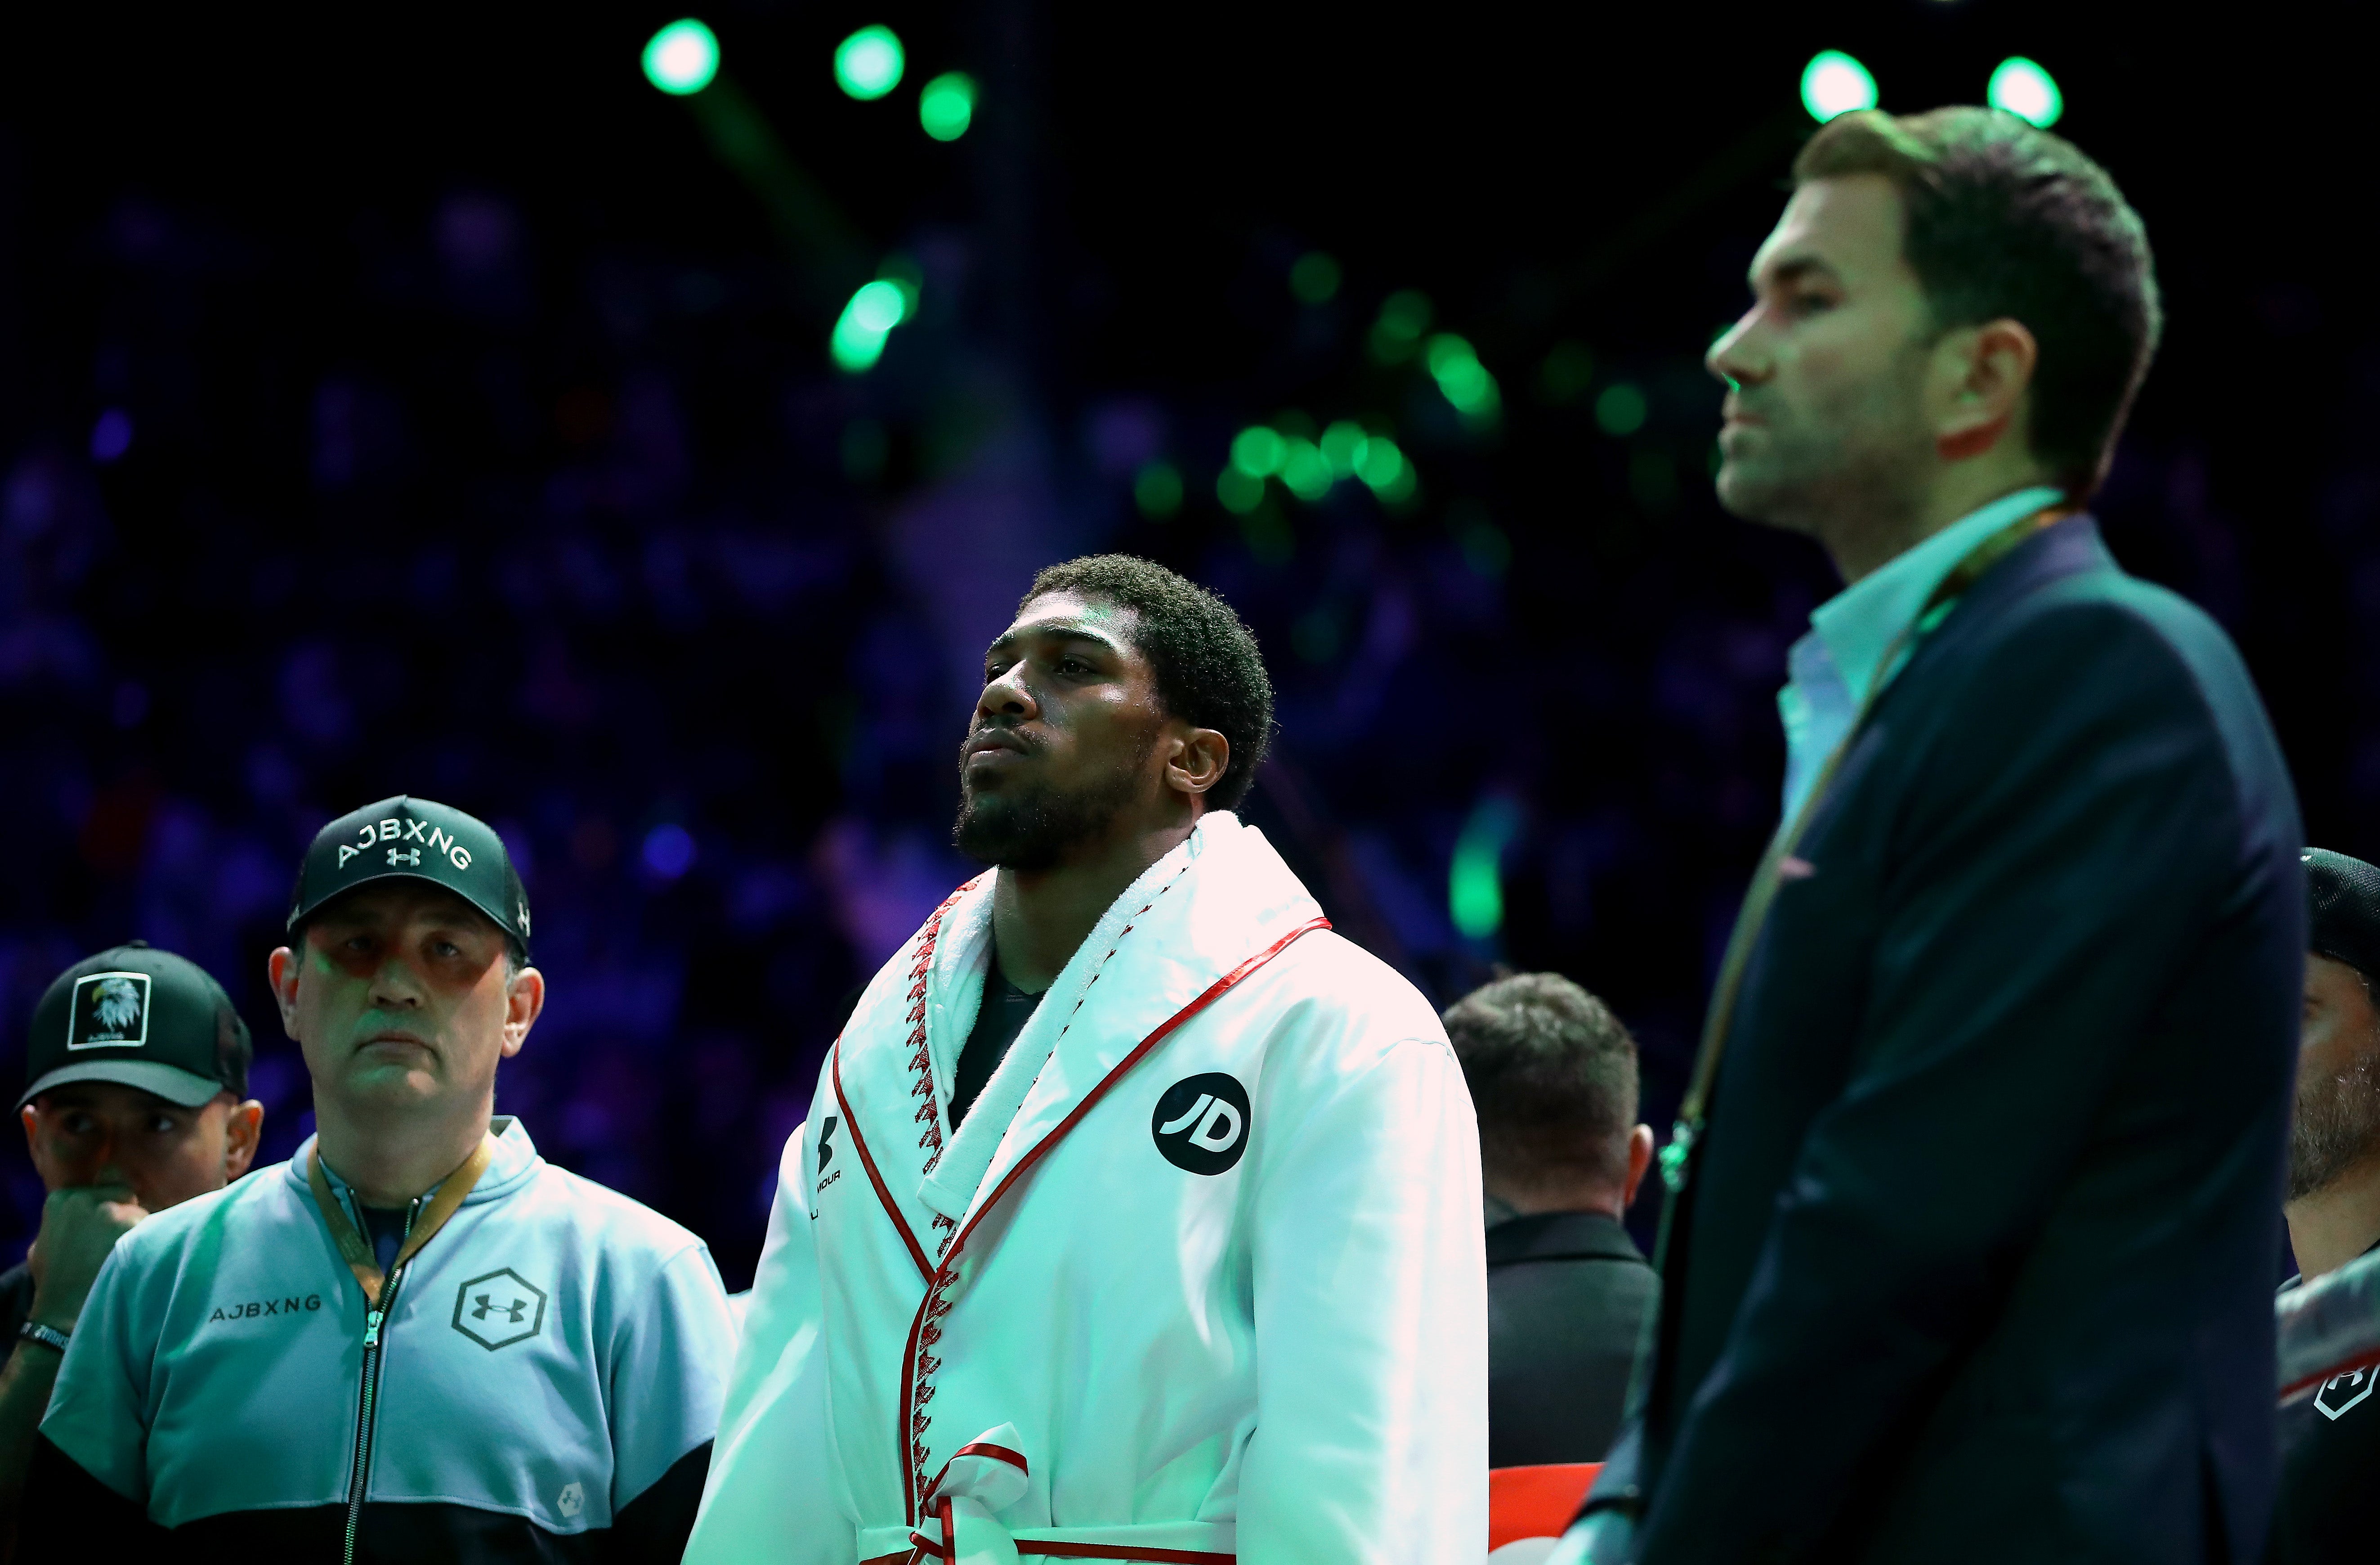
[{"x": 368, "y": 1402}]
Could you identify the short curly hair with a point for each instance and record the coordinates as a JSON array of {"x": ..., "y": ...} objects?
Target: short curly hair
[{"x": 1209, "y": 671}]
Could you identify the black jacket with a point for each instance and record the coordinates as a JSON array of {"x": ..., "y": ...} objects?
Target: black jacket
[
  {"x": 1975, "y": 1263},
  {"x": 1568, "y": 1294}
]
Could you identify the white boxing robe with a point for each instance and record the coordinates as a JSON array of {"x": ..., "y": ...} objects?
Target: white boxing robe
[{"x": 1199, "y": 1279}]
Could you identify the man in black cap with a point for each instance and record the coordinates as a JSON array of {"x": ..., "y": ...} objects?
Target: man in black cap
[
  {"x": 416, "y": 1340},
  {"x": 135, "y": 1073},
  {"x": 2330, "y": 1442}
]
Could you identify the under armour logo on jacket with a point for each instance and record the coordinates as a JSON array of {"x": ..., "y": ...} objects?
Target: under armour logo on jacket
[{"x": 1201, "y": 1123}]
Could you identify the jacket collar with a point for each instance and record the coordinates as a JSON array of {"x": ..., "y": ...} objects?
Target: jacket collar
[
  {"x": 516, "y": 1160},
  {"x": 1561, "y": 1236}
]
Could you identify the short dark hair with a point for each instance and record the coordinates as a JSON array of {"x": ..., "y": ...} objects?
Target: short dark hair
[
  {"x": 2005, "y": 220},
  {"x": 1209, "y": 671},
  {"x": 1552, "y": 1074}
]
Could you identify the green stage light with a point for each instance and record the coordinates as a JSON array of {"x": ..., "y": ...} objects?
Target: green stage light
[
  {"x": 1303, "y": 470},
  {"x": 1239, "y": 491},
  {"x": 1257, "y": 451},
  {"x": 2021, "y": 87},
  {"x": 1342, "y": 446},
  {"x": 1475, "y": 882},
  {"x": 869, "y": 64},
  {"x": 865, "y": 323},
  {"x": 1834, "y": 83},
  {"x": 1461, "y": 378},
  {"x": 1621, "y": 410},
  {"x": 1383, "y": 467},
  {"x": 1157, "y": 489},
  {"x": 947, "y": 105},
  {"x": 1404, "y": 316},
  {"x": 681, "y": 57},
  {"x": 1314, "y": 277}
]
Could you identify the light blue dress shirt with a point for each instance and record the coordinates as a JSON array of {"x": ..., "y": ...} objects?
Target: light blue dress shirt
[{"x": 1831, "y": 669}]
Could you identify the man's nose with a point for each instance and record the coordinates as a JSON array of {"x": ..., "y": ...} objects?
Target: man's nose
[
  {"x": 395, "y": 985},
  {"x": 1735, "y": 358},
  {"x": 1006, "y": 697}
]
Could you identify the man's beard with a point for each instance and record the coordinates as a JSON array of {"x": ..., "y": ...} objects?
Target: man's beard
[
  {"x": 2336, "y": 1126},
  {"x": 1859, "y": 462},
  {"x": 1029, "y": 826}
]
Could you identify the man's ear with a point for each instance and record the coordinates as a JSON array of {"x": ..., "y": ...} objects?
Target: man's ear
[
  {"x": 242, "y": 1129},
  {"x": 281, "y": 967},
  {"x": 1983, "y": 374},
  {"x": 1198, "y": 763},
  {"x": 524, "y": 1002}
]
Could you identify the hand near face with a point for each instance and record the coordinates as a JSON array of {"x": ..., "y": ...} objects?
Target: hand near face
[{"x": 79, "y": 1226}]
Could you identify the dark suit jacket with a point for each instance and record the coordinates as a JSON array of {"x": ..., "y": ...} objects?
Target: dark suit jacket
[
  {"x": 1568, "y": 1293},
  {"x": 1976, "y": 1261}
]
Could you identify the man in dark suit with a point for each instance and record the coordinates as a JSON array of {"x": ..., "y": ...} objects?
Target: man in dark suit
[
  {"x": 1975, "y": 1194},
  {"x": 1553, "y": 1078}
]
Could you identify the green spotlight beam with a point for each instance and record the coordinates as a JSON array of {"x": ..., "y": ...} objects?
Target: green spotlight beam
[{"x": 810, "y": 225}]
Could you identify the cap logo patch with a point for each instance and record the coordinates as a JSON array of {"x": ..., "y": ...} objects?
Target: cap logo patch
[
  {"x": 110, "y": 1011},
  {"x": 435, "y": 838}
]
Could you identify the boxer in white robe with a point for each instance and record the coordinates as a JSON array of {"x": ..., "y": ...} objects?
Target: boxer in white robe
[{"x": 1200, "y": 1276}]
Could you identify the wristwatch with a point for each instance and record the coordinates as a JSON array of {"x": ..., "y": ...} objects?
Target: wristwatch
[{"x": 48, "y": 1336}]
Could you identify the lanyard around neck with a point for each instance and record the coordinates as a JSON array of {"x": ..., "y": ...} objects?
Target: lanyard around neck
[
  {"x": 1677, "y": 1157},
  {"x": 353, "y": 1247}
]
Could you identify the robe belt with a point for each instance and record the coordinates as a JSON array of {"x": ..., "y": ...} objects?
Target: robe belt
[{"x": 988, "y": 1475}]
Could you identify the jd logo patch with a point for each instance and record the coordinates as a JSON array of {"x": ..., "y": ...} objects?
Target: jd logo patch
[
  {"x": 1201, "y": 1123},
  {"x": 498, "y": 1309},
  {"x": 2342, "y": 1391},
  {"x": 110, "y": 1011}
]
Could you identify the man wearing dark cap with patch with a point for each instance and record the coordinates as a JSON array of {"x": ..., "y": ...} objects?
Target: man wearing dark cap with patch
[
  {"x": 136, "y": 1069},
  {"x": 2330, "y": 1442},
  {"x": 416, "y": 1340}
]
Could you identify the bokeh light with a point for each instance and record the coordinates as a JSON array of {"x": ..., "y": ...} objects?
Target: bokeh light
[
  {"x": 1834, "y": 83},
  {"x": 110, "y": 435},
  {"x": 2020, "y": 87},
  {"x": 865, "y": 323},
  {"x": 1461, "y": 378},
  {"x": 869, "y": 64},
  {"x": 1314, "y": 277},
  {"x": 1404, "y": 316},
  {"x": 1474, "y": 889},
  {"x": 1257, "y": 451},
  {"x": 1621, "y": 410},
  {"x": 947, "y": 105},
  {"x": 681, "y": 57},
  {"x": 1157, "y": 489},
  {"x": 669, "y": 850}
]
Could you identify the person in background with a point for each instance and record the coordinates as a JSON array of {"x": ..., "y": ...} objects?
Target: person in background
[
  {"x": 2330, "y": 1441},
  {"x": 416, "y": 1340},
  {"x": 1553, "y": 1078},
  {"x": 136, "y": 1099}
]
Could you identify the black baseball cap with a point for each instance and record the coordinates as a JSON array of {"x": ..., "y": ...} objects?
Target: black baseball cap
[
  {"x": 410, "y": 839},
  {"x": 2343, "y": 901},
  {"x": 140, "y": 1017}
]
